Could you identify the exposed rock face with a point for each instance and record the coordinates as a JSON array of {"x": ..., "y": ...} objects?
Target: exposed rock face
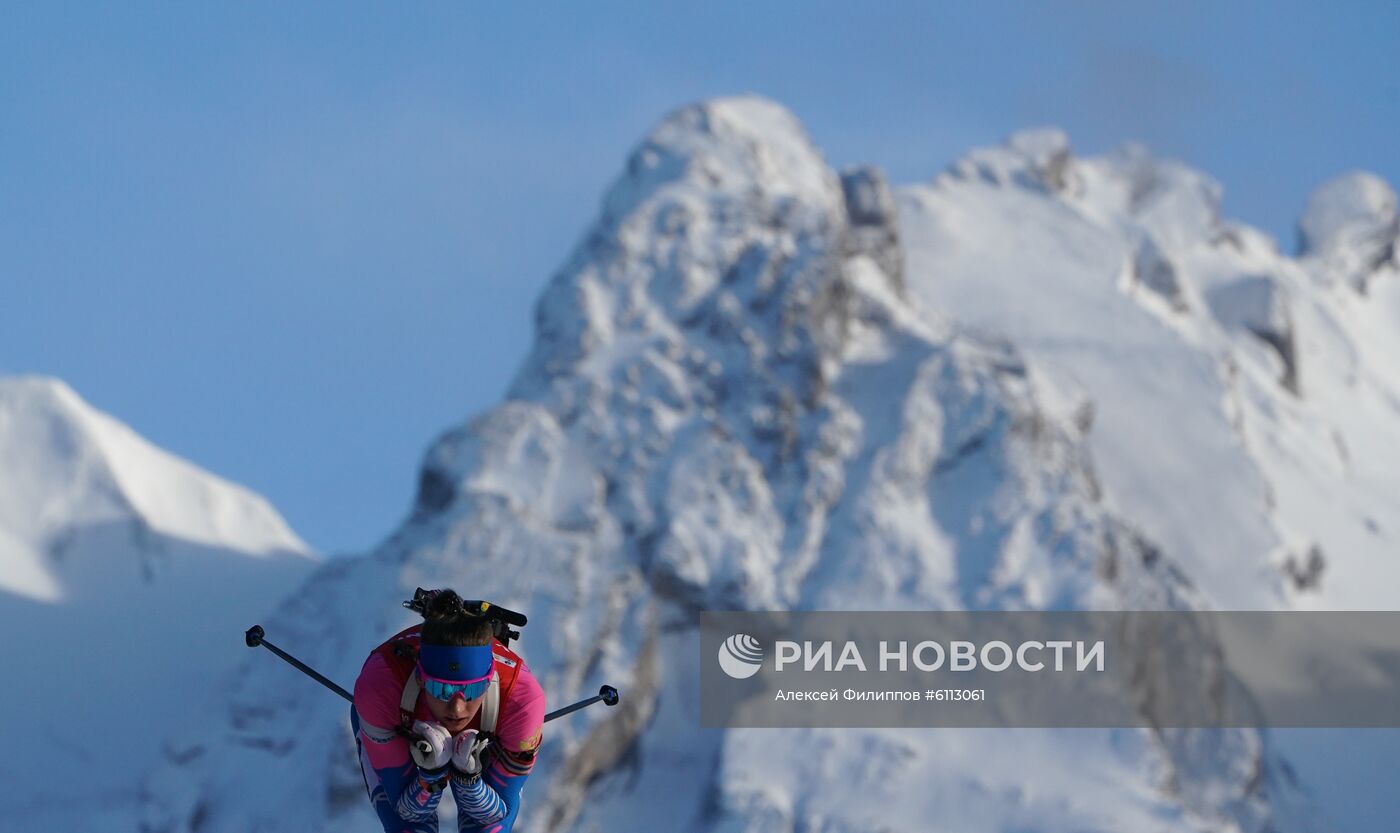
[
  {"x": 873, "y": 224},
  {"x": 1154, "y": 271}
]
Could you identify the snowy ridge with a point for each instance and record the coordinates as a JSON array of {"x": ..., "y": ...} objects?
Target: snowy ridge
[
  {"x": 125, "y": 577},
  {"x": 69, "y": 465},
  {"x": 1218, "y": 359},
  {"x": 1037, "y": 382}
]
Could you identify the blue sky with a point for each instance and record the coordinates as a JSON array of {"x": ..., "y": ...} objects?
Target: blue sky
[{"x": 295, "y": 244}]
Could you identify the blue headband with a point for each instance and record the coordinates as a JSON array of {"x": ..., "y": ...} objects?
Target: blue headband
[{"x": 456, "y": 663}]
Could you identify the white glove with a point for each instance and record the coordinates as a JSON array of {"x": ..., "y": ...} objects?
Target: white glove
[
  {"x": 466, "y": 752},
  {"x": 432, "y": 749}
]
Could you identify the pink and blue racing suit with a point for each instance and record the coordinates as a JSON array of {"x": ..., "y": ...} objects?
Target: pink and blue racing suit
[{"x": 406, "y": 799}]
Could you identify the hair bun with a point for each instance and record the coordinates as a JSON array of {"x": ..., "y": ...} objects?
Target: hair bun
[{"x": 445, "y": 604}]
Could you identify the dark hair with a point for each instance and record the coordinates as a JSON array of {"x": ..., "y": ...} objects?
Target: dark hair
[{"x": 446, "y": 622}]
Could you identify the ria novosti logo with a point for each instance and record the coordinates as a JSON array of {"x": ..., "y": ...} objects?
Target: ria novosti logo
[{"x": 740, "y": 656}]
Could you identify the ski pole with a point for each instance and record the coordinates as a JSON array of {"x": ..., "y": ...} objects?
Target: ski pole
[
  {"x": 607, "y": 694},
  {"x": 254, "y": 637}
]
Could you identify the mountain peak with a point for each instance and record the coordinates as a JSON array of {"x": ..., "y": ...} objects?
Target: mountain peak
[
  {"x": 1351, "y": 227},
  {"x": 741, "y": 146},
  {"x": 727, "y": 225},
  {"x": 1354, "y": 204},
  {"x": 70, "y": 467}
]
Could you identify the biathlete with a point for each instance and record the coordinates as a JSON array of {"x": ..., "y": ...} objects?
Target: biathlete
[{"x": 444, "y": 705}]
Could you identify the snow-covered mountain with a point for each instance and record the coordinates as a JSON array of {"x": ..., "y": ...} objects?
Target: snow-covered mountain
[
  {"x": 127, "y": 577},
  {"x": 1247, "y": 403},
  {"x": 1038, "y": 381}
]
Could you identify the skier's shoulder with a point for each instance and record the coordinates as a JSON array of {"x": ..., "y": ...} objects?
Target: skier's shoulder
[
  {"x": 522, "y": 720},
  {"x": 526, "y": 690},
  {"x": 378, "y": 690}
]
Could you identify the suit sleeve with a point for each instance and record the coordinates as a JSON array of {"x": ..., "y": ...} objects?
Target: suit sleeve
[
  {"x": 491, "y": 804},
  {"x": 409, "y": 793}
]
